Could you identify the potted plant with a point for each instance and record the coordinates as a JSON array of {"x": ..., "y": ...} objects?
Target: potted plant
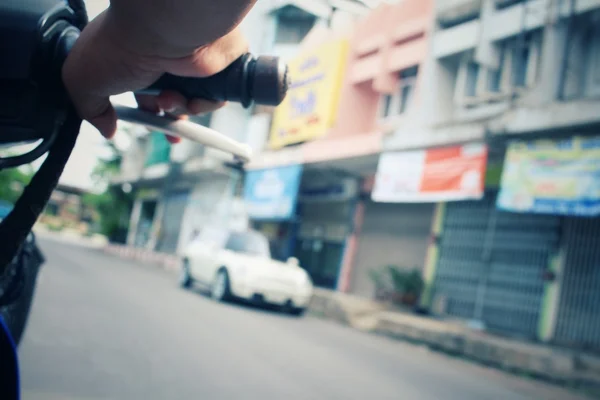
[{"x": 407, "y": 285}]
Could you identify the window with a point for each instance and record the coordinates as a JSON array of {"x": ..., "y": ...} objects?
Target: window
[
  {"x": 520, "y": 63},
  {"x": 408, "y": 79},
  {"x": 387, "y": 105},
  {"x": 159, "y": 149},
  {"x": 495, "y": 76},
  {"x": 471, "y": 81},
  {"x": 398, "y": 103},
  {"x": 248, "y": 243}
]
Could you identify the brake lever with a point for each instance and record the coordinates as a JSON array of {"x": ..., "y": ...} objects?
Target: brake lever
[{"x": 263, "y": 80}]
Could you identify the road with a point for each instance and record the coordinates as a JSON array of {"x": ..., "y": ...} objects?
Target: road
[{"x": 103, "y": 328}]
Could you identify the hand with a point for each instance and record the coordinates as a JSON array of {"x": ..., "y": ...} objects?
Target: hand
[{"x": 102, "y": 64}]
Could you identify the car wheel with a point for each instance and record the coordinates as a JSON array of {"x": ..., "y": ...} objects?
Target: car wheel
[
  {"x": 185, "y": 279},
  {"x": 219, "y": 290},
  {"x": 289, "y": 308},
  {"x": 297, "y": 312}
]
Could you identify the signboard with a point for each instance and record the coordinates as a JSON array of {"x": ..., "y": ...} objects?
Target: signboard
[
  {"x": 442, "y": 174},
  {"x": 310, "y": 106},
  {"x": 272, "y": 193},
  {"x": 552, "y": 177}
]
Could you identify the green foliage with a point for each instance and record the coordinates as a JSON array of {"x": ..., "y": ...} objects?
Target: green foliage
[
  {"x": 406, "y": 281},
  {"x": 12, "y": 182},
  {"x": 113, "y": 205},
  {"x": 403, "y": 281}
]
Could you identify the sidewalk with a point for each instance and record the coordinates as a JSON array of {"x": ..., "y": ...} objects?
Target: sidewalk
[
  {"x": 71, "y": 237},
  {"x": 562, "y": 366}
]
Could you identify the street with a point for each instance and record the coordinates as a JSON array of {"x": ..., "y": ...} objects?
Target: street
[{"x": 104, "y": 328}]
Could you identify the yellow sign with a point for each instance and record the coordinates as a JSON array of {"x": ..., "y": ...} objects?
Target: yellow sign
[{"x": 310, "y": 107}]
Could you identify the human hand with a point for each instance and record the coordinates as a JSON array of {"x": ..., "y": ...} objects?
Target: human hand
[{"x": 102, "y": 63}]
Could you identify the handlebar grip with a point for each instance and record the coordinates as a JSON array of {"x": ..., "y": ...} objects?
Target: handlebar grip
[{"x": 263, "y": 80}]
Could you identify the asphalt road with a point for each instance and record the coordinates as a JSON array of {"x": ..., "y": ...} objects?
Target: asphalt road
[{"x": 103, "y": 328}]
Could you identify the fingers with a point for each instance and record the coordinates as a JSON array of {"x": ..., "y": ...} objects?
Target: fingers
[
  {"x": 106, "y": 121},
  {"x": 176, "y": 105},
  {"x": 212, "y": 58}
]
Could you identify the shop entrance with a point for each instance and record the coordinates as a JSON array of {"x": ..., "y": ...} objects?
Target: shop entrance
[{"x": 321, "y": 258}]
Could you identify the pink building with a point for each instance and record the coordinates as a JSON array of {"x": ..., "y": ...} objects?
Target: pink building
[{"x": 385, "y": 50}]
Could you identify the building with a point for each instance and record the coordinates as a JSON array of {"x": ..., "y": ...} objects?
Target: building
[
  {"x": 337, "y": 155},
  {"x": 181, "y": 188},
  {"x": 500, "y": 71},
  {"x": 458, "y": 81}
]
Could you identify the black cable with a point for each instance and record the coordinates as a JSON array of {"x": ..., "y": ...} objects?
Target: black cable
[
  {"x": 17, "y": 225},
  {"x": 40, "y": 150}
]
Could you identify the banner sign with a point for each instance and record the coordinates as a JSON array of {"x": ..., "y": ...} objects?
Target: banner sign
[
  {"x": 552, "y": 177},
  {"x": 271, "y": 194},
  {"x": 310, "y": 107},
  {"x": 442, "y": 174}
]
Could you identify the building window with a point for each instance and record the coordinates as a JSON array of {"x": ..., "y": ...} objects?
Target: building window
[
  {"x": 386, "y": 107},
  {"x": 496, "y": 75},
  {"x": 472, "y": 77},
  {"x": 592, "y": 62},
  {"x": 399, "y": 102},
  {"x": 293, "y": 24},
  {"x": 408, "y": 78},
  {"x": 159, "y": 149},
  {"x": 518, "y": 59}
]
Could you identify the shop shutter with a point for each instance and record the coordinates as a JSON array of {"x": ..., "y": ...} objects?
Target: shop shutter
[
  {"x": 491, "y": 264},
  {"x": 578, "y": 321}
]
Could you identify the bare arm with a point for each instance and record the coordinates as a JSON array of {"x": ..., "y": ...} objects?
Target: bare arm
[
  {"x": 175, "y": 28},
  {"x": 134, "y": 42}
]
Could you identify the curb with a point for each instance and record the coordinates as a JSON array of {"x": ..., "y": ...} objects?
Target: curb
[
  {"x": 167, "y": 261},
  {"x": 562, "y": 367}
]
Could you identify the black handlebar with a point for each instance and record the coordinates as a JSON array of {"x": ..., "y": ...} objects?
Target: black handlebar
[{"x": 262, "y": 80}]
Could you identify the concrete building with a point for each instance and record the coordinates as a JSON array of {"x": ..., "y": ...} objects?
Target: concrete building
[
  {"x": 454, "y": 76},
  {"x": 499, "y": 71}
]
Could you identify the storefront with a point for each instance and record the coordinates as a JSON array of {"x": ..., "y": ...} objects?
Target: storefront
[
  {"x": 271, "y": 196},
  {"x": 524, "y": 260},
  {"x": 325, "y": 211}
]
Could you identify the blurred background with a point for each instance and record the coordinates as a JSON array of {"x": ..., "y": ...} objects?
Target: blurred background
[{"x": 435, "y": 169}]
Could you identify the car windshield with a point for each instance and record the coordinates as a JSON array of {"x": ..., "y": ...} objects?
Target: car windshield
[{"x": 248, "y": 243}]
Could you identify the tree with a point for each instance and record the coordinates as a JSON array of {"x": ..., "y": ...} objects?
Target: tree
[
  {"x": 113, "y": 205},
  {"x": 12, "y": 183}
]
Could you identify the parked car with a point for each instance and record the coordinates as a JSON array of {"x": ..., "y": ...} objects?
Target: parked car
[
  {"x": 238, "y": 265},
  {"x": 22, "y": 273}
]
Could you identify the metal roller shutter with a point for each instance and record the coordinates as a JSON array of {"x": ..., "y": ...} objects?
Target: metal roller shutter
[
  {"x": 578, "y": 321},
  {"x": 175, "y": 204},
  {"x": 491, "y": 264}
]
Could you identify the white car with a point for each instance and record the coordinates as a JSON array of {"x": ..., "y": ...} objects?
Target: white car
[{"x": 238, "y": 265}]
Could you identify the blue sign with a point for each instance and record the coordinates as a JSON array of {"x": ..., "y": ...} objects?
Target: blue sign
[{"x": 272, "y": 193}]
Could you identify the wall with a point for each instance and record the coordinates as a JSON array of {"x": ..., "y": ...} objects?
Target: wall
[{"x": 389, "y": 39}]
